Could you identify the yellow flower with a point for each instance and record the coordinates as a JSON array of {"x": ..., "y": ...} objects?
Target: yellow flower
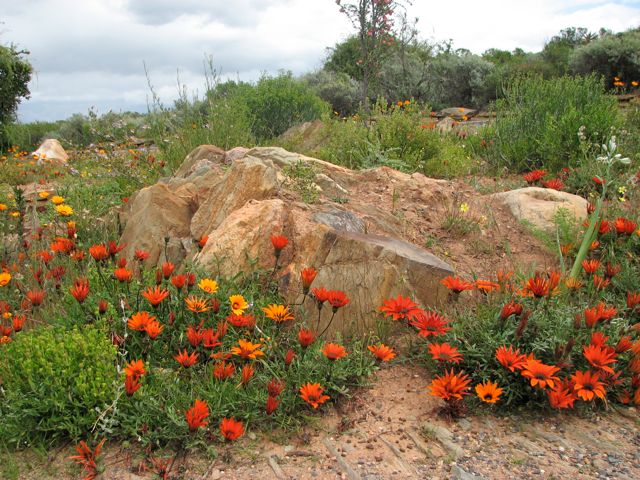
[
  {"x": 64, "y": 210},
  {"x": 57, "y": 200},
  {"x": 238, "y": 304},
  {"x": 634, "y": 83},
  {"x": 7, "y": 315},
  {"x": 43, "y": 194},
  {"x": 71, "y": 224},
  {"x": 15, "y": 214},
  {"x": 5, "y": 278},
  {"x": 464, "y": 207},
  {"x": 207, "y": 285},
  {"x": 277, "y": 313}
]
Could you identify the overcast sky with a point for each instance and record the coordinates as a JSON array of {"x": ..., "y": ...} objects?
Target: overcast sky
[{"x": 90, "y": 53}]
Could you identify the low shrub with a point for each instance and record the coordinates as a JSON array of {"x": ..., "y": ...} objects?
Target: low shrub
[{"x": 55, "y": 383}]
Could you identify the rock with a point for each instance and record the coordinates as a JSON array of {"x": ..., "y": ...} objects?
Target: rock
[
  {"x": 457, "y": 113},
  {"x": 202, "y": 156},
  {"x": 539, "y": 206},
  {"x": 445, "y": 125},
  {"x": 458, "y": 473},
  {"x": 51, "y": 150},
  {"x": 306, "y": 136},
  {"x": 235, "y": 154}
]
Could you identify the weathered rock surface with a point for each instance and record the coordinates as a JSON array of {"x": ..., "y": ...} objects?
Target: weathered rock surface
[
  {"x": 539, "y": 206},
  {"x": 457, "y": 113},
  {"x": 352, "y": 242},
  {"x": 51, "y": 150}
]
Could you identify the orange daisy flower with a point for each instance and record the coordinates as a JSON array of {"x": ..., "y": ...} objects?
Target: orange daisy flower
[
  {"x": 430, "y": 323},
  {"x": 247, "y": 350},
  {"x": 80, "y": 289},
  {"x": 134, "y": 368},
  {"x": 197, "y": 304},
  {"x": 600, "y": 357},
  {"x": 231, "y": 429},
  {"x": 443, "y": 352},
  {"x": 186, "y": 359},
  {"x": 456, "y": 284},
  {"x": 223, "y": 370},
  {"x": 588, "y": 386},
  {"x": 382, "y": 352},
  {"x": 334, "y": 351},
  {"x": 278, "y": 313},
  {"x": 312, "y": 393},
  {"x": 400, "y": 308},
  {"x": 488, "y": 392},
  {"x": 307, "y": 276},
  {"x": 197, "y": 414},
  {"x": 139, "y": 321},
  {"x": 155, "y": 295},
  {"x": 450, "y": 386},
  {"x": 539, "y": 374}
]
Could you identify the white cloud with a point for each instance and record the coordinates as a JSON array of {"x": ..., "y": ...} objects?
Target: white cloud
[{"x": 91, "y": 52}]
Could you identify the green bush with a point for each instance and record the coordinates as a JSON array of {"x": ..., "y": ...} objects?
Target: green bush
[
  {"x": 55, "y": 383},
  {"x": 338, "y": 89},
  {"x": 538, "y": 120}
]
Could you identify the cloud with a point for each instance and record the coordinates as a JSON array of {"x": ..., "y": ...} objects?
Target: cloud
[{"x": 91, "y": 52}]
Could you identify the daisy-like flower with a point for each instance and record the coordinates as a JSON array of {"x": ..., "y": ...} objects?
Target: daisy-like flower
[
  {"x": 64, "y": 210},
  {"x": 80, "y": 289},
  {"x": 456, "y": 284},
  {"x": 135, "y": 368},
  {"x": 587, "y": 385},
  {"x": 312, "y": 393},
  {"x": 591, "y": 266},
  {"x": 430, "y": 323},
  {"x": 488, "y": 392},
  {"x": 247, "y": 350},
  {"x": 99, "y": 252},
  {"x": 123, "y": 275},
  {"x": 307, "y": 276},
  {"x": 510, "y": 359},
  {"x": 196, "y": 416},
  {"x": 208, "y": 285},
  {"x": 238, "y": 304},
  {"x": 450, "y": 386},
  {"x": 186, "y": 359},
  {"x": 5, "y": 278},
  {"x": 534, "y": 176},
  {"x": 155, "y": 295},
  {"x": 600, "y": 357},
  {"x": 279, "y": 242},
  {"x": 337, "y": 299},
  {"x": 400, "y": 308},
  {"x": 382, "y": 352},
  {"x": 624, "y": 226},
  {"x": 562, "y": 395},
  {"x": 443, "y": 352},
  {"x": 231, "y": 429},
  {"x": 539, "y": 374},
  {"x": 306, "y": 337},
  {"x": 139, "y": 321},
  {"x": 197, "y": 304},
  {"x": 223, "y": 370},
  {"x": 57, "y": 200},
  {"x": 511, "y": 308},
  {"x": 278, "y": 313},
  {"x": 334, "y": 351}
]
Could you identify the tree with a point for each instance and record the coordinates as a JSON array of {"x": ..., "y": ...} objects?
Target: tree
[
  {"x": 556, "y": 51},
  {"x": 374, "y": 23},
  {"x": 15, "y": 73}
]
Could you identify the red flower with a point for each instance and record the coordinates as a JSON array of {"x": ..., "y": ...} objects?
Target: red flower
[
  {"x": 272, "y": 405},
  {"x": 178, "y": 281},
  {"x": 334, "y": 351},
  {"x": 36, "y": 297},
  {"x": 197, "y": 414},
  {"x": 600, "y": 283},
  {"x": 88, "y": 458},
  {"x": 114, "y": 248},
  {"x": 123, "y": 275},
  {"x": 562, "y": 396},
  {"x": 430, "y": 323},
  {"x": 246, "y": 374},
  {"x": 80, "y": 289},
  {"x": 511, "y": 308},
  {"x": 131, "y": 385},
  {"x": 306, "y": 337},
  {"x": 541, "y": 287},
  {"x": 155, "y": 295},
  {"x": 510, "y": 359},
  {"x": 279, "y": 242},
  {"x": 600, "y": 357},
  {"x": 141, "y": 255},
  {"x": 591, "y": 266},
  {"x": 210, "y": 338},
  {"x": 456, "y": 284},
  {"x": 231, "y": 429},
  {"x": 194, "y": 335},
  {"x": 450, "y": 386},
  {"x": 307, "y": 275},
  {"x": 167, "y": 269},
  {"x": 554, "y": 184},
  {"x": 203, "y": 241},
  {"x": 534, "y": 176},
  {"x": 102, "y": 306},
  {"x": 153, "y": 329},
  {"x": 611, "y": 270},
  {"x": 382, "y": 352},
  {"x": 624, "y": 344},
  {"x": 242, "y": 321},
  {"x": 539, "y": 374},
  {"x": 633, "y": 300},
  {"x": 186, "y": 359},
  {"x": 289, "y": 356},
  {"x": 99, "y": 252},
  {"x": 443, "y": 352},
  {"x": 134, "y": 368},
  {"x": 321, "y": 295},
  {"x": 400, "y": 308},
  {"x": 337, "y": 299},
  {"x": 223, "y": 370},
  {"x": 624, "y": 226},
  {"x": 18, "y": 322},
  {"x": 275, "y": 387},
  {"x": 312, "y": 393}
]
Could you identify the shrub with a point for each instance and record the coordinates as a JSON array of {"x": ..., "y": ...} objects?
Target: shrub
[
  {"x": 338, "y": 89},
  {"x": 538, "y": 121},
  {"x": 55, "y": 383}
]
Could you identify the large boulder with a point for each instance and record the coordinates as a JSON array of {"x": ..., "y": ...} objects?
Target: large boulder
[
  {"x": 201, "y": 158},
  {"x": 51, "y": 150},
  {"x": 540, "y": 206}
]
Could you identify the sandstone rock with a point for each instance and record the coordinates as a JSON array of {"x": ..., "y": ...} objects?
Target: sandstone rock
[
  {"x": 234, "y": 154},
  {"x": 457, "y": 113},
  {"x": 539, "y": 206},
  {"x": 51, "y": 150},
  {"x": 202, "y": 156},
  {"x": 445, "y": 125}
]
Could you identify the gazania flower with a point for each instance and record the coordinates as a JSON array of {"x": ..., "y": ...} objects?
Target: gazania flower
[
  {"x": 223, "y": 370},
  {"x": 538, "y": 286},
  {"x": 430, "y": 323},
  {"x": 534, "y": 176},
  {"x": 573, "y": 283},
  {"x": 600, "y": 283},
  {"x": 167, "y": 269},
  {"x": 288, "y": 357},
  {"x": 591, "y": 266},
  {"x": 400, "y": 308},
  {"x": 155, "y": 295},
  {"x": 554, "y": 184},
  {"x": 153, "y": 329},
  {"x": 456, "y": 284},
  {"x": 197, "y": 304},
  {"x": 511, "y": 308},
  {"x": 178, "y": 281},
  {"x": 88, "y": 458},
  {"x": 306, "y": 337},
  {"x": 275, "y": 387},
  {"x": 131, "y": 385},
  {"x": 307, "y": 276},
  {"x": 624, "y": 344},
  {"x": 123, "y": 275},
  {"x": 197, "y": 414},
  {"x": 194, "y": 335},
  {"x": 80, "y": 289},
  {"x": 633, "y": 300},
  {"x": 64, "y": 210},
  {"x": 139, "y": 321},
  {"x": 611, "y": 270},
  {"x": 203, "y": 241},
  {"x": 443, "y": 352},
  {"x": 186, "y": 359},
  {"x": 36, "y": 297},
  {"x": 5, "y": 278},
  {"x": 587, "y": 385},
  {"x": 450, "y": 386},
  {"x": 334, "y": 351},
  {"x": 337, "y": 299},
  {"x": 279, "y": 242},
  {"x": 539, "y": 374},
  {"x": 99, "y": 252},
  {"x": 231, "y": 429},
  {"x": 134, "y": 368},
  {"x": 18, "y": 322},
  {"x": 210, "y": 338},
  {"x": 208, "y": 285},
  {"x": 247, "y": 350},
  {"x": 272, "y": 405},
  {"x": 321, "y": 295},
  {"x": 600, "y": 357},
  {"x": 312, "y": 393},
  {"x": 238, "y": 304},
  {"x": 242, "y": 321},
  {"x": 488, "y": 392},
  {"x": 278, "y": 313},
  {"x": 246, "y": 374},
  {"x": 486, "y": 286},
  {"x": 382, "y": 352},
  {"x": 57, "y": 200},
  {"x": 624, "y": 226},
  {"x": 562, "y": 396}
]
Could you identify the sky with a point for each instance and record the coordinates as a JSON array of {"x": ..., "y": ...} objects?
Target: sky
[{"x": 92, "y": 53}]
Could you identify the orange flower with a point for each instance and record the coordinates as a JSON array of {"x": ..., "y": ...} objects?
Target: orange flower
[
  {"x": 278, "y": 313},
  {"x": 231, "y": 429},
  {"x": 36, "y": 297},
  {"x": 185, "y": 359},
  {"x": 334, "y": 351},
  {"x": 197, "y": 414},
  {"x": 587, "y": 385},
  {"x": 178, "y": 281},
  {"x": 123, "y": 275},
  {"x": 131, "y": 385},
  {"x": 600, "y": 283},
  {"x": 337, "y": 299},
  {"x": 203, "y": 241},
  {"x": 456, "y": 284},
  {"x": 573, "y": 283},
  {"x": 197, "y": 304},
  {"x": 288, "y": 357},
  {"x": 242, "y": 321},
  {"x": 443, "y": 352},
  {"x": 534, "y": 176},
  {"x": 134, "y": 368},
  {"x": 194, "y": 335},
  {"x": 155, "y": 295},
  {"x": 488, "y": 392},
  {"x": 562, "y": 396},
  {"x": 600, "y": 357},
  {"x": 312, "y": 393},
  {"x": 382, "y": 352},
  {"x": 554, "y": 184},
  {"x": 538, "y": 286},
  {"x": 624, "y": 226},
  {"x": 275, "y": 387},
  {"x": 279, "y": 242},
  {"x": 153, "y": 329},
  {"x": 400, "y": 308},
  {"x": 88, "y": 459},
  {"x": 167, "y": 269},
  {"x": 430, "y": 323},
  {"x": 450, "y": 386},
  {"x": 486, "y": 286},
  {"x": 272, "y": 405},
  {"x": 246, "y": 374},
  {"x": 223, "y": 370},
  {"x": 141, "y": 255},
  {"x": 247, "y": 350},
  {"x": 139, "y": 321},
  {"x": 612, "y": 270},
  {"x": 80, "y": 289},
  {"x": 18, "y": 322},
  {"x": 591, "y": 266},
  {"x": 539, "y": 374},
  {"x": 306, "y": 337},
  {"x": 511, "y": 308},
  {"x": 307, "y": 275},
  {"x": 99, "y": 252},
  {"x": 321, "y": 295}
]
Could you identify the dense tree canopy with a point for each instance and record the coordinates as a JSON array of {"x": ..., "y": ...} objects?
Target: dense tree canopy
[{"x": 15, "y": 73}]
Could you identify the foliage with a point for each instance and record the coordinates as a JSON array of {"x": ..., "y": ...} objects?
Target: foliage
[
  {"x": 341, "y": 91},
  {"x": 69, "y": 373},
  {"x": 538, "y": 121},
  {"x": 15, "y": 73},
  {"x": 556, "y": 52}
]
